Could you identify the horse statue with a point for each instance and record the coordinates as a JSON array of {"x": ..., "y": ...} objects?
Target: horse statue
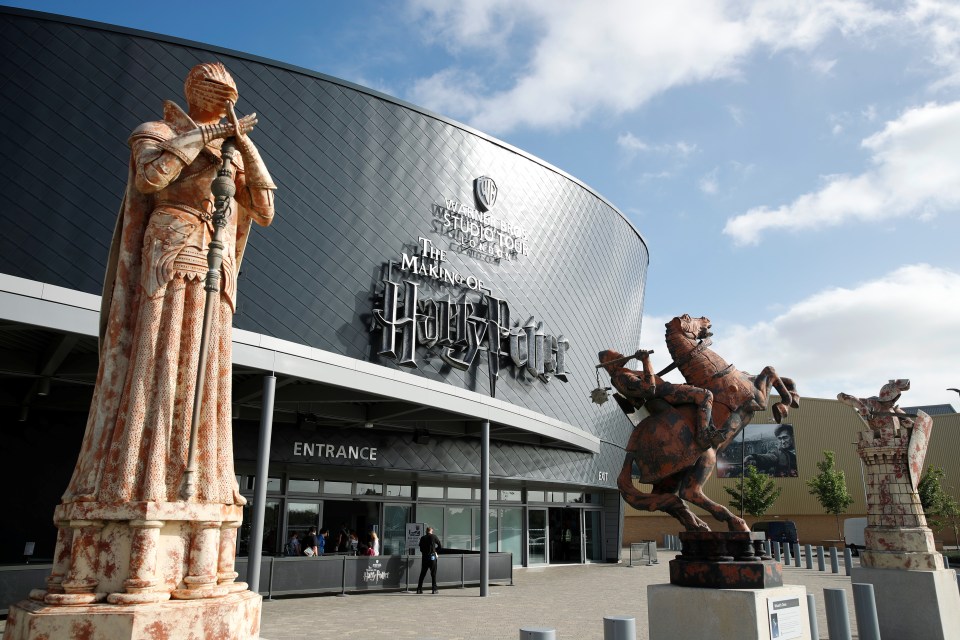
[{"x": 675, "y": 447}]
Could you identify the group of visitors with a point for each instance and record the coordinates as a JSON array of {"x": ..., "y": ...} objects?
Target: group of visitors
[{"x": 346, "y": 542}]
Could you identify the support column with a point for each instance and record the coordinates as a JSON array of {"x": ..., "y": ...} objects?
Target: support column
[
  {"x": 141, "y": 585},
  {"x": 80, "y": 582},
  {"x": 226, "y": 574},
  {"x": 485, "y": 508},
  {"x": 201, "y": 578},
  {"x": 61, "y": 561},
  {"x": 260, "y": 488}
]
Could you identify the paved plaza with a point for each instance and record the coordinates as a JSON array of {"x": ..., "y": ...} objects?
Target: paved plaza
[{"x": 572, "y": 599}]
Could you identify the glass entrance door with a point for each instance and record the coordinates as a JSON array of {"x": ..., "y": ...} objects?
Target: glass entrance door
[
  {"x": 592, "y": 537},
  {"x": 536, "y": 536}
]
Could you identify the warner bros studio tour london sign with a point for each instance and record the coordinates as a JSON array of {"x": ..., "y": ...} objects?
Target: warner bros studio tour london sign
[{"x": 459, "y": 326}]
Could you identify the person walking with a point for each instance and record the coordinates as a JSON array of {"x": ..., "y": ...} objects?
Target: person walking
[{"x": 429, "y": 545}]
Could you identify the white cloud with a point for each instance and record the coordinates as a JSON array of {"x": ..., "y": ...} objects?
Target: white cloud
[
  {"x": 837, "y": 129},
  {"x": 901, "y": 325},
  {"x": 710, "y": 183},
  {"x": 938, "y": 21},
  {"x": 632, "y": 144},
  {"x": 870, "y": 113},
  {"x": 583, "y": 58},
  {"x": 736, "y": 113},
  {"x": 915, "y": 172},
  {"x": 823, "y": 67}
]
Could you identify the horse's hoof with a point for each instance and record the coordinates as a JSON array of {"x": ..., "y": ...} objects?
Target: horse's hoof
[
  {"x": 779, "y": 412},
  {"x": 794, "y": 399}
]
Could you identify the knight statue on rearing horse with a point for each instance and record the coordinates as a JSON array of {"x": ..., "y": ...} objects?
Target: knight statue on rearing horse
[{"x": 675, "y": 447}]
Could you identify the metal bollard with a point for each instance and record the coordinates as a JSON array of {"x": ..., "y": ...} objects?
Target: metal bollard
[
  {"x": 776, "y": 551},
  {"x": 834, "y": 561},
  {"x": 812, "y": 614},
  {"x": 946, "y": 561},
  {"x": 619, "y": 628},
  {"x": 820, "y": 565},
  {"x": 766, "y": 545},
  {"x": 865, "y": 606},
  {"x": 847, "y": 560},
  {"x": 808, "y": 551},
  {"x": 838, "y": 620},
  {"x": 537, "y": 633},
  {"x": 796, "y": 555},
  {"x": 786, "y": 554}
]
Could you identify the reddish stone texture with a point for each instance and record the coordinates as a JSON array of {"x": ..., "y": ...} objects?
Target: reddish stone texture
[
  {"x": 139, "y": 521},
  {"x": 675, "y": 446},
  {"x": 893, "y": 449}
]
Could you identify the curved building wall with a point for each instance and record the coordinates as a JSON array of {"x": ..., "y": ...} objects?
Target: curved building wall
[{"x": 361, "y": 177}]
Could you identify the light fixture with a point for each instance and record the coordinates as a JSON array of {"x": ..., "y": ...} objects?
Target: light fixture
[
  {"x": 43, "y": 387},
  {"x": 24, "y": 412},
  {"x": 235, "y": 412},
  {"x": 368, "y": 425}
]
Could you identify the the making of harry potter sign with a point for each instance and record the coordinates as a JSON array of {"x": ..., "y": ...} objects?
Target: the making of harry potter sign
[{"x": 466, "y": 318}]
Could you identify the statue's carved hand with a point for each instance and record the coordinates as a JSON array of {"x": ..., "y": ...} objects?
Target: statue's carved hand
[{"x": 226, "y": 129}]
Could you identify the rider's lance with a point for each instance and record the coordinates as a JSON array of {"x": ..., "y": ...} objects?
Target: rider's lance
[{"x": 223, "y": 189}]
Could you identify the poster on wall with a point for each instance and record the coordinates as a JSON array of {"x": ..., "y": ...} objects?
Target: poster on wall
[
  {"x": 771, "y": 448},
  {"x": 785, "y": 618}
]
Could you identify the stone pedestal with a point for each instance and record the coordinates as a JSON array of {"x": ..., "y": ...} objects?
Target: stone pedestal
[
  {"x": 724, "y": 560},
  {"x": 914, "y": 604},
  {"x": 687, "y": 613},
  {"x": 232, "y": 617}
]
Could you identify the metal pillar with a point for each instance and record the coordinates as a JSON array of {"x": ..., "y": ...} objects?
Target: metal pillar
[
  {"x": 834, "y": 561},
  {"x": 260, "y": 487},
  {"x": 538, "y": 633},
  {"x": 485, "y": 508},
  {"x": 812, "y": 614},
  {"x": 619, "y": 628},
  {"x": 865, "y": 607},
  {"x": 847, "y": 560},
  {"x": 820, "y": 565},
  {"x": 838, "y": 619},
  {"x": 808, "y": 551},
  {"x": 796, "y": 555}
]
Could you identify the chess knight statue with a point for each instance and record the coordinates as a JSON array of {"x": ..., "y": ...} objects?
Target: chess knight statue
[{"x": 152, "y": 510}]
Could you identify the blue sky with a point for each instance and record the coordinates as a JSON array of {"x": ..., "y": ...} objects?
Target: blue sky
[{"x": 794, "y": 165}]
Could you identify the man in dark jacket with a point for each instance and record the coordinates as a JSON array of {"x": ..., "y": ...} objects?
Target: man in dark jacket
[{"x": 429, "y": 545}]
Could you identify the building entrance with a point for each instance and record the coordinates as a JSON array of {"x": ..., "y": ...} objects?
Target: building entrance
[
  {"x": 565, "y": 535},
  {"x": 361, "y": 517}
]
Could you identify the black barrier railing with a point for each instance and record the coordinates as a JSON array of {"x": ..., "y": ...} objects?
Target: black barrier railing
[{"x": 311, "y": 576}]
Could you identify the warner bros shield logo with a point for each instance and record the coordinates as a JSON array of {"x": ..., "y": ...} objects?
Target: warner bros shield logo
[{"x": 485, "y": 191}]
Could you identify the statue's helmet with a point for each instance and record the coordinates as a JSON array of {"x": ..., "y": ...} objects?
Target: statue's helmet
[{"x": 209, "y": 86}]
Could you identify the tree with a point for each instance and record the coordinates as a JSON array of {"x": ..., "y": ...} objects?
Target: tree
[
  {"x": 830, "y": 488},
  {"x": 940, "y": 507},
  {"x": 755, "y": 491}
]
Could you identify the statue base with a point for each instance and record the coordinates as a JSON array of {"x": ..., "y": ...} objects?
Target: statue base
[
  {"x": 914, "y": 604},
  {"x": 726, "y": 613},
  {"x": 725, "y": 560},
  {"x": 910, "y": 548},
  {"x": 232, "y": 617}
]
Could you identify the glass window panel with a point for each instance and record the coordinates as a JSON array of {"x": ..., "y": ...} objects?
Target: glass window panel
[
  {"x": 536, "y": 496},
  {"x": 493, "y": 494},
  {"x": 459, "y": 493},
  {"x": 537, "y": 527},
  {"x": 510, "y": 495},
  {"x": 395, "y": 519},
  {"x": 432, "y": 517},
  {"x": 399, "y": 490},
  {"x": 274, "y": 485},
  {"x": 369, "y": 489},
  {"x": 593, "y": 498},
  {"x": 491, "y": 530},
  {"x": 511, "y": 533},
  {"x": 301, "y": 516},
  {"x": 428, "y": 491},
  {"x": 341, "y": 488},
  {"x": 593, "y": 539},
  {"x": 575, "y": 497},
  {"x": 458, "y": 528},
  {"x": 303, "y": 485},
  {"x": 555, "y": 496},
  {"x": 271, "y": 527}
]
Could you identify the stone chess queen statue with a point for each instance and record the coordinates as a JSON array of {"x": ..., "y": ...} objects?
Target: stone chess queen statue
[{"x": 136, "y": 443}]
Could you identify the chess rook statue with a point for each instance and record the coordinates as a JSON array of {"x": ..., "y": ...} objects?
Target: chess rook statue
[{"x": 152, "y": 510}]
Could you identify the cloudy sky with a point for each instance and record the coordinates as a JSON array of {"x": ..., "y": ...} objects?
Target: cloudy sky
[{"x": 794, "y": 165}]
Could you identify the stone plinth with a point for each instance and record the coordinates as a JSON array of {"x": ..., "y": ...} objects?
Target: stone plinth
[
  {"x": 232, "y": 617},
  {"x": 684, "y": 613},
  {"x": 724, "y": 560},
  {"x": 914, "y": 604},
  {"x": 912, "y": 549}
]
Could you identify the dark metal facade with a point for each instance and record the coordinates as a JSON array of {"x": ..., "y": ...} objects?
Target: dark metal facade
[{"x": 359, "y": 176}]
